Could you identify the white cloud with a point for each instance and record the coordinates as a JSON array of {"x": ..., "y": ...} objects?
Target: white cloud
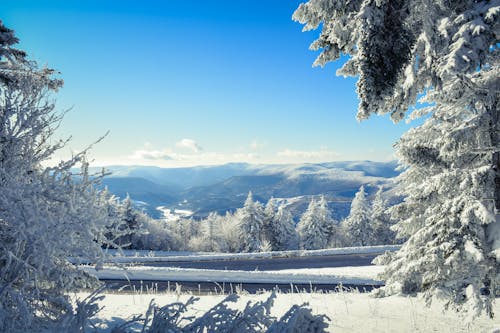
[
  {"x": 142, "y": 154},
  {"x": 188, "y": 153},
  {"x": 322, "y": 155},
  {"x": 169, "y": 157},
  {"x": 189, "y": 144},
  {"x": 200, "y": 158},
  {"x": 245, "y": 157}
]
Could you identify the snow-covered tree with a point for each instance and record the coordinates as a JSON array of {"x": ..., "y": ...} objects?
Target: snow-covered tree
[
  {"x": 283, "y": 230},
  {"x": 251, "y": 221},
  {"x": 153, "y": 234},
  {"x": 358, "y": 227},
  {"x": 449, "y": 213},
  {"x": 209, "y": 236},
  {"x": 230, "y": 233},
  {"x": 132, "y": 221},
  {"x": 46, "y": 213},
  {"x": 325, "y": 217},
  {"x": 313, "y": 232},
  {"x": 129, "y": 213},
  {"x": 381, "y": 220},
  {"x": 269, "y": 215},
  {"x": 446, "y": 51}
]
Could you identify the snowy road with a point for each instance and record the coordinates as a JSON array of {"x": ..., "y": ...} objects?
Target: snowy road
[
  {"x": 202, "y": 272},
  {"x": 305, "y": 273},
  {"x": 208, "y": 280},
  {"x": 272, "y": 264}
]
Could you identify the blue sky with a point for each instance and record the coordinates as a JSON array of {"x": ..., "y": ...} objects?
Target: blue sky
[{"x": 182, "y": 83}]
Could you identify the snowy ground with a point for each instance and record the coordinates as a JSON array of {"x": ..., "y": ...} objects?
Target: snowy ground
[
  {"x": 128, "y": 256},
  {"x": 361, "y": 275},
  {"x": 349, "y": 312}
]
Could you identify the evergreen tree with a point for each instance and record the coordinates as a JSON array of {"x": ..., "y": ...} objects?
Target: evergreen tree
[
  {"x": 267, "y": 228},
  {"x": 449, "y": 214},
  {"x": 251, "y": 221},
  {"x": 381, "y": 221},
  {"x": 313, "y": 233},
  {"x": 325, "y": 218},
  {"x": 131, "y": 222},
  {"x": 283, "y": 229},
  {"x": 446, "y": 51},
  {"x": 129, "y": 213},
  {"x": 358, "y": 227}
]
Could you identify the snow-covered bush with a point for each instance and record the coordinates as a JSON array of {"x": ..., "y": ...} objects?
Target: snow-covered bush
[
  {"x": 255, "y": 317},
  {"x": 298, "y": 319}
]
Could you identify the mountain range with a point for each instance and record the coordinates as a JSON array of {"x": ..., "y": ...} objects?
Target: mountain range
[{"x": 222, "y": 188}]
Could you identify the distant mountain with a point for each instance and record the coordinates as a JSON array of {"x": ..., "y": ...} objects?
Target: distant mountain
[
  {"x": 182, "y": 178},
  {"x": 387, "y": 169},
  {"x": 225, "y": 187}
]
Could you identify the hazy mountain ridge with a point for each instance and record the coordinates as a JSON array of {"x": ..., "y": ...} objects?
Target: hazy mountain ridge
[{"x": 222, "y": 188}]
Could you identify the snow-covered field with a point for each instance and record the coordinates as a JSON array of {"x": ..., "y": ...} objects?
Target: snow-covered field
[
  {"x": 128, "y": 256},
  {"x": 349, "y": 312},
  {"x": 361, "y": 275}
]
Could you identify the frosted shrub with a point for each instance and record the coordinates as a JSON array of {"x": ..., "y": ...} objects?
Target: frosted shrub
[{"x": 255, "y": 317}]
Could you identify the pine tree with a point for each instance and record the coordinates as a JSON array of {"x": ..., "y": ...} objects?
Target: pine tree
[
  {"x": 267, "y": 228},
  {"x": 131, "y": 221},
  {"x": 251, "y": 221},
  {"x": 283, "y": 229},
  {"x": 446, "y": 51},
  {"x": 313, "y": 233},
  {"x": 358, "y": 225},
  {"x": 456, "y": 231},
  {"x": 381, "y": 220},
  {"x": 325, "y": 218}
]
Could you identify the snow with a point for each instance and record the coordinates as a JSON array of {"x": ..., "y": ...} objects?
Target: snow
[
  {"x": 472, "y": 251},
  {"x": 361, "y": 275},
  {"x": 174, "y": 214},
  {"x": 349, "y": 312},
  {"x": 163, "y": 256}
]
